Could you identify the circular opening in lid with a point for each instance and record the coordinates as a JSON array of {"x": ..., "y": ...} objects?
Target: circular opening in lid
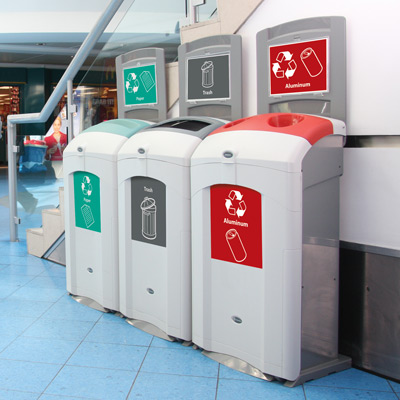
[{"x": 280, "y": 121}]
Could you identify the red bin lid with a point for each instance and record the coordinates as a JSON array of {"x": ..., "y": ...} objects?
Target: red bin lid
[{"x": 309, "y": 127}]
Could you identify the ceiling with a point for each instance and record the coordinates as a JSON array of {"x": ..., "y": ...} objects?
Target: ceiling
[{"x": 49, "y": 33}]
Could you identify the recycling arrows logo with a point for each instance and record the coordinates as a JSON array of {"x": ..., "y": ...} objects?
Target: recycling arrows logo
[
  {"x": 284, "y": 57},
  {"x": 235, "y": 204},
  {"x": 86, "y": 186},
  {"x": 132, "y": 84}
]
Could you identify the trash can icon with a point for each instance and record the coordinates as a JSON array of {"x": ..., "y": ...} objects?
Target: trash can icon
[
  {"x": 207, "y": 74},
  {"x": 149, "y": 210}
]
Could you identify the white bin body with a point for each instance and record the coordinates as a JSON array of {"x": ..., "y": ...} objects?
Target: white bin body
[
  {"x": 247, "y": 293},
  {"x": 91, "y": 256},
  {"x": 156, "y": 278}
]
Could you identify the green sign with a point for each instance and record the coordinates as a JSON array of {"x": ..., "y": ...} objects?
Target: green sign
[
  {"x": 87, "y": 201},
  {"x": 140, "y": 85}
]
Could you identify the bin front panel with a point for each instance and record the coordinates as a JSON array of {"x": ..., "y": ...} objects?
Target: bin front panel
[
  {"x": 87, "y": 201},
  {"x": 236, "y": 234}
]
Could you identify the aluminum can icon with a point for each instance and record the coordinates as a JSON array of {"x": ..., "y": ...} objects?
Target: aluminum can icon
[
  {"x": 236, "y": 245},
  {"x": 311, "y": 62},
  {"x": 149, "y": 212},
  {"x": 207, "y": 74}
]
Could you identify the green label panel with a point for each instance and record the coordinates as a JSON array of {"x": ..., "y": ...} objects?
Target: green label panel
[
  {"x": 140, "y": 85},
  {"x": 87, "y": 201}
]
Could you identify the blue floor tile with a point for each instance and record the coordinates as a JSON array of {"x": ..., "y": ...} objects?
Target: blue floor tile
[
  {"x": 38, "y": 294},
  {"x": 239, "y": 390},
  {"x": 27, "y": 376},
  {"x": 13, "y": 248},
  {"x": 54, "y": 270},
  {"x": 179, "y": 362},
  {"x": 23, "y": 308},
  {"x": 25, "y": 261},
  {"x": 325, "y": 393},
  {"x": 61, "y": 329},
  {"x": 395, "y": 386},
  {"x": 18, "y": 395},
  {"x": 163, "y": 386},
  {"x": 52, "y": 351},
  {"x": 111, "y": 356},
  {"x": 353, "y": 379},
  {"x": 7, "y": 278},
  {"x": 119, "y": 332},
  {"x": 97, "y": 383},
  {"x": 7, "y": 290},
  {"x": 6, "y": 340},
  {"x": 14, "y": 325},
  {"x": 48, "y": 282},
  {"x": 69, "y": 309}
]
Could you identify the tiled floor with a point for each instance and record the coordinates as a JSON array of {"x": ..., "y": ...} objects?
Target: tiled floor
[{"x": 52, "y": 348}]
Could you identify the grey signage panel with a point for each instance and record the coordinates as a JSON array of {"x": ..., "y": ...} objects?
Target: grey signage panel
[
  {"x": 301, "y": 67},
  {"x": 141, "y": 85},
  {"x": 148, "y": 204},
  {"x": 210, "y": 77}
]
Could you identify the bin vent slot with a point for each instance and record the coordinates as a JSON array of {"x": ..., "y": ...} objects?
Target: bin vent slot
[{"x": 189, "y": 125}]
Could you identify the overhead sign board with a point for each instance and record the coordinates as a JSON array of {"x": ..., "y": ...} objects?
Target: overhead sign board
[
  {"x": 301, "y": 67},
  {"x": 208, "y": 77}
]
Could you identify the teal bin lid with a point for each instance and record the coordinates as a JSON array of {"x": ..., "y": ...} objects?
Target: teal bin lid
[{"x": 121, "y": 127}]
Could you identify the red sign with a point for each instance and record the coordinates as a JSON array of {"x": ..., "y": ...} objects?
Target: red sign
[
  {"x": 299, "y": 67},
  {"x": 236, "y": 225}
]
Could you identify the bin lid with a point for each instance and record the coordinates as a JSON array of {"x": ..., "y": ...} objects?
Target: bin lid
[
  {"x": 122, "y": 127},
  {"x": 199, "y": 127},
  {"x": 104, "y": 140},
  {"x": 173, "y": 140},
  {"x": 277, "y": 141},
  {"x": 309, "y": 127}
]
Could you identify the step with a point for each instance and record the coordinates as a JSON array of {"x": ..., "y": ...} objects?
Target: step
[
  {"x": 35, "y": 241},
  {"x": 61, "y": 207},
  {"x": 52, "y": 226}
]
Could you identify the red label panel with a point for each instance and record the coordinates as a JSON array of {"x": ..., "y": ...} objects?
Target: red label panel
[
  {"x": 236, "y": 219},
  {"x": 299, "y": 67}
]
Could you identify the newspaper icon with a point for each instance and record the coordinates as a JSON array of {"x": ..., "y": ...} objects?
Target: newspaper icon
[
  {"x": 147, "y": 80},
  {"x": 87, "y": 215}
]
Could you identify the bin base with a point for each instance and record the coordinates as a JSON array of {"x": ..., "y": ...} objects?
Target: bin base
[
  {"x": 150, "y": 328},
  {"x": 89, "y": 302},
  {"x": 317, "y": 371},
  {"x": 238, "y": 365},
  {"x": 320, "y": 370}
]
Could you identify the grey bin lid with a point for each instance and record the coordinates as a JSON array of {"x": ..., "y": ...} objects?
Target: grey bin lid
[
  {"x": 199, "y": 127},
  {"x": 121, "y": 127}
]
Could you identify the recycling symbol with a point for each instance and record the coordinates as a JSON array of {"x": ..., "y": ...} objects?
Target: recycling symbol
[
  {"x": 284, "y": 58},
  {"x": 132, "y": 84},
  {"x": 86, "y": 186},
  {"x": 234, "y": 203}
]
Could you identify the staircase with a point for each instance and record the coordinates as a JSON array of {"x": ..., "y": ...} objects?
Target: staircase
[{"x": 39, "y": 240}]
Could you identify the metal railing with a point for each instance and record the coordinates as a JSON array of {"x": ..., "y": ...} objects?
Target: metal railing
[{"x": 14, "y": 120}]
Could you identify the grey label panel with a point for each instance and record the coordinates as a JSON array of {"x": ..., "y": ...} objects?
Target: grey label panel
[
  {"x": 141, "y": 85},
  {"x": 296, "y": 73},
  {"x": 148, "y": 210},
  {"x": 208, "y": 78}
]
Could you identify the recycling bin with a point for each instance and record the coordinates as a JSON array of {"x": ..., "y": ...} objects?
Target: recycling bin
[
  {"x": 91, "y": 212},
  {"x": 265, "y": 245},
  {"x": 154, "y": 223}
]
